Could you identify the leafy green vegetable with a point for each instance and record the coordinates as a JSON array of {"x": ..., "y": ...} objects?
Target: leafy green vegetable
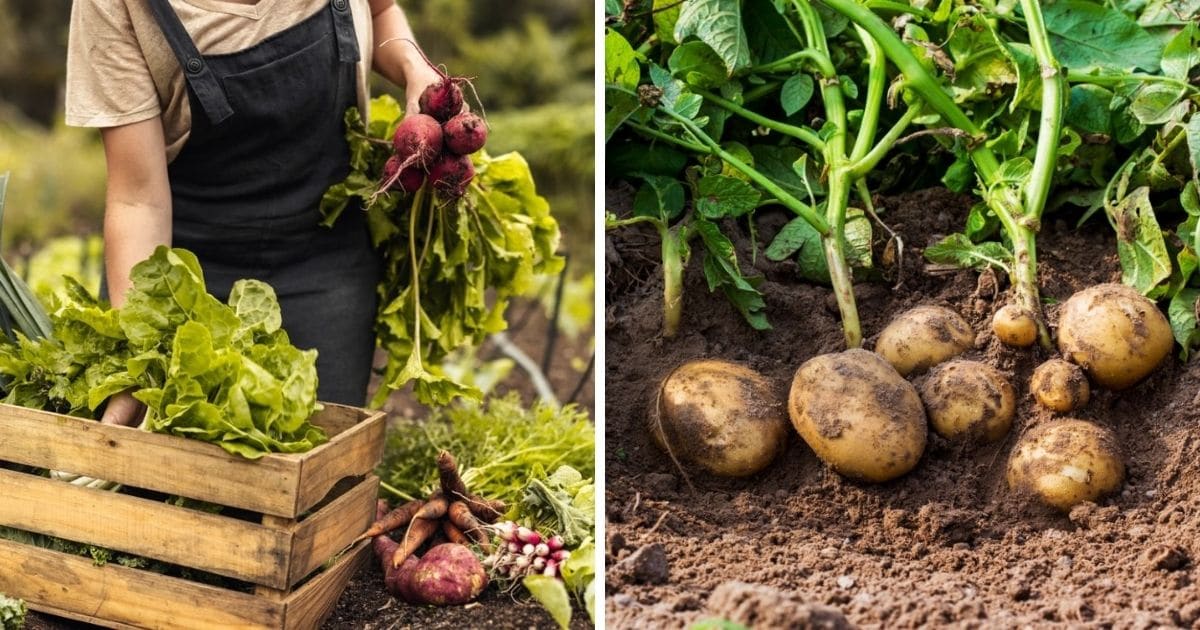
[
  {"x": 450, "y": 267},
  {"x": 563, "y": 502},
  {"x": 498, "y": 443},
  {"x": 552, "y": 595},
  {"x": 12, "y": 613},
  {"x": 1087, "y": 35},
  {"x": 221, "y": 373}
]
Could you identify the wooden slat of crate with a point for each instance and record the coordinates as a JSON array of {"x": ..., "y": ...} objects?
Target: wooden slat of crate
[
  {"x": 279, "y": 484},
  {"x": 333, "y": 527},
  {"x": 119, "y": 597},
  {"x": 277, "y": 556},
  {"x": 212, "y": 543}
]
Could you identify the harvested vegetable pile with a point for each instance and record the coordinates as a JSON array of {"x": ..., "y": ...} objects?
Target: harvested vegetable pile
[{"x": 459, "y": 235}]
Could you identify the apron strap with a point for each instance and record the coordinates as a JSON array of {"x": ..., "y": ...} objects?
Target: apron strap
[
  {"x": 197, "y": 73},
  {"x": 343, "y": 27}
]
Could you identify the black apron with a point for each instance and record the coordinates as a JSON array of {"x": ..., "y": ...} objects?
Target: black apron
[{"x": 267, "y": 140}]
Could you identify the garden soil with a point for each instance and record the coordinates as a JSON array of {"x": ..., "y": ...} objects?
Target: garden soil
[{"x": 948, "y": 544}]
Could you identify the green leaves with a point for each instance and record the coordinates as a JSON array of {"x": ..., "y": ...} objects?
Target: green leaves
[
  {"x": 1087, "y": 35},
  {"x": 1182, "y": 53},
  {"x": 659, "y": 198},
  {"x": 717, "y": 23},
  {"x": 796, "y": 93},
  {"x": 620, "y": 61},
  {"x": 718, "y": 196},
  {"x": 1145, "y": 262},
  {"x": 12, "y": 613},
  {"x": 958, "y": 251},
  {"x": 696, "y": 64}
]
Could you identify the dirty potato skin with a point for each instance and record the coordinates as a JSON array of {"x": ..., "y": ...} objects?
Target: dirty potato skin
[
  {"x": 1114, "y": 333},
  {"x": 1060, "y": 386},
  {"x": 719, "y": 416},
  {"x": 1066, "y": 462},
  {"x": 858, "y": 415},
  {"x": 923, "y": 337},
  {"x": 969, "y": 400},
  {"x": 1015, "y": 326}
]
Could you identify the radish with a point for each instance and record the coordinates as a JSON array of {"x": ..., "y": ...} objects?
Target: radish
[
  {"x": 450, "y": 174},
  {"x": 410, "y": 179},
  {"x": 418, "y": 140},
  {"x": 464, "y": 134},
  {"x": 442, "y": 100}
]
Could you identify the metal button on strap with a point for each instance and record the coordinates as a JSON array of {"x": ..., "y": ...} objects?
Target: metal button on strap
[
  {"x": 194, "y": 65},
  {"x": 340, "y": 5}
]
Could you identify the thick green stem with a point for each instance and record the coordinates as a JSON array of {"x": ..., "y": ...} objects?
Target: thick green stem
[
  {"x": 806, "y": 136},
  {"x": 840, "y": 275},
  {"x": 920, "y": 81},
  {"x": 672, "y": 256},
  {"x": 876, "y": 88},
  {"x": 795, "y": 205},
  {"x": 792, "y": 62},
  {"x": 867, "y": 163},
  {"x": 1025, "y": 284},
  {"x": 1050, "y": 130}
]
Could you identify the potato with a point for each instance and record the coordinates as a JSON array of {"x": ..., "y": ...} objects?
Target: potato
[
  {"x": 720, "y": 416},
  {"x": 969, "y": 400},
  {"x": 1015, "y": 326},
  {"x": 858, "y": 415},
  {"x": 1066, "y": 462},
  {"x": 923, "y": 337},
  {"x": 1060, "y": 386},
  {"x": 1117, "y": 336}
]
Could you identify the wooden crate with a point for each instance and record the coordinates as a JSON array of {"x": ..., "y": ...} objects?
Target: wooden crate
[{"x": 290, "y": 514}]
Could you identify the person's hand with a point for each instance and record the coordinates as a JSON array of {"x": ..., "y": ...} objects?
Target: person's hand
[
  {"x": 417, "y": 76},
  {"x": 123, "y": 409}
]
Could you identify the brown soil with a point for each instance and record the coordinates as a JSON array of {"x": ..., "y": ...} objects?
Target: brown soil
[{"x": 798, "y": 546}]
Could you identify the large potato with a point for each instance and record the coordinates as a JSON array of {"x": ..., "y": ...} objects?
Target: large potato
[
  {"x": 1114, "y": 333},
  {"x": 923, "y": 337},
  {"x": 969, "y": 400},
  {"x": 1066, "y": 462},
  {"x": 1060, "y": 386},
  {"x": 858, "y": 415},
  {"x": 720, "y": 416}
]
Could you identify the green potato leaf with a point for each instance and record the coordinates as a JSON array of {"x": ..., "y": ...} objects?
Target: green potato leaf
[
  {"x": 718, "y": 196},
  {"x": 717, "y": 23},
  {"x": 1182, "y": 53},
  {"x": 957, "y": 250},
  {"x": 796, "y": 93},
  {"x": 620, "y": 61},
  {"x": 1181, "y": 312},
  {"x": 697, "y": 65},
  {"x": 1087, "y": 35},
  {"x": 1145, "y": 262},
  {"x": 722, "y": 271}
]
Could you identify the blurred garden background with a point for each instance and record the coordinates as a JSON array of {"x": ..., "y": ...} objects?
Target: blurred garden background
[{"x": 532, "y": 65}]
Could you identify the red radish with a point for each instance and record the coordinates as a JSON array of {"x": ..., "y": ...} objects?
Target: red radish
[
  {"x": 418, "y": 140},
  {"x": 443, "y": 99},
  {"x": 450, "y": 174},
  {"x": 526, "y": 535},
  {"x": 410, "y": 179},
  {"x": 464, "y": 134},
  {"x": 554, "y": 542}
]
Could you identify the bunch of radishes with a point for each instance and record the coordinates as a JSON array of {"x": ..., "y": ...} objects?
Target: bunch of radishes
[
  {"x": 435, "y": 145},
  {"x": 524, "y": 551}
]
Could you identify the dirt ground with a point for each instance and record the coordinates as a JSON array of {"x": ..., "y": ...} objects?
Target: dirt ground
[
  {"x": 798, "y": 546},
  {"x": 365, "y": 605}
]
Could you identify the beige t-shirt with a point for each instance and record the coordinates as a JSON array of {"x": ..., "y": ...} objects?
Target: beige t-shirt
[{"x": 121, "y": 70}]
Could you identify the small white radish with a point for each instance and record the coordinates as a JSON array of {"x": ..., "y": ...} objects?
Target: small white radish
[
  {"x": 514, "y": 547},
  {"x": 551, "y": 569},
  {"x": 528, "y": 549},
  {"x": 542, "y": 550},
  {"x": 521, "y": 562},
  {"x": 526, "y": 535},
  {"x": 538, "y": 564},
  {"x": 560, "y": 555}
]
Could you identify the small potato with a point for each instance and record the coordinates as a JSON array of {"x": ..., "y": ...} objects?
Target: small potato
[
  {"x": 969, "y": 399},
  {"x": 1015, "y": 326},
  {"x": 720, "y": 416},
  {"x": 858, "y": 415},
  {"x": 1114, "y": 333},
  {"x": 1060, "y": 386},
  {"x": 923, "y": 337},
  {"x": 1066, "y": 462}
]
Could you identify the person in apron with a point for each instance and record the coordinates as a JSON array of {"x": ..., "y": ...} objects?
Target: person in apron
[{"x": 266, "y": 139}]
